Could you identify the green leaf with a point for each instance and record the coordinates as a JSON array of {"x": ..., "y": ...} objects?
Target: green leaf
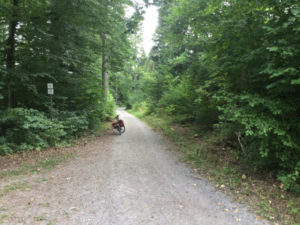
[
  {"x": 295, "y": 11},
  {"x": 273, "y": 49},
  {"x": 295, "y": 82}
]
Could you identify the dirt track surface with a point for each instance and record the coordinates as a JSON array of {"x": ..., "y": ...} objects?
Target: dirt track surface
[{"x": 133, "y": 179}]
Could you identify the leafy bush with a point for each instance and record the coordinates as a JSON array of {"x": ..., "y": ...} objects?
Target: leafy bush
[
  {"x": 140, "y": 109},
  {"x": 268, "y": 131},
  {"x": 110, "y": 107},
  {"x": 186, "y": 105},
  {"x": 73, "y": 123},
  {"x": 177, "y": 101},
  {"x": 27, "y": 129}
]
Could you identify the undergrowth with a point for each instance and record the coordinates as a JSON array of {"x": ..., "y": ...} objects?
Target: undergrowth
[{"x": 28, "y": 129}]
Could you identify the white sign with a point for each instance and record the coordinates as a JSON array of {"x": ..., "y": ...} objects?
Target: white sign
[
  {"x": 50, "y": 88},
  {"x": 50, "y": 91}
]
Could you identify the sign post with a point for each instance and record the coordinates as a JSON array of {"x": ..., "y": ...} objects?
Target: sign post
[{"x": 51, "y": 93}]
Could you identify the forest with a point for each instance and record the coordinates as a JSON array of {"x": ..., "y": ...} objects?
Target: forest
[
  {"x": 74, "y": 45},
  {"x": 226, "y": 65}
]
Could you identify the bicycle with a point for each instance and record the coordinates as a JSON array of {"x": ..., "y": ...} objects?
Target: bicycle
[{"x": 119, "y": 125}]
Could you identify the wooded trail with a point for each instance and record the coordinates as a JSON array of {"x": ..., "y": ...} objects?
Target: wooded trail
[{"x": 132, "y": 179}]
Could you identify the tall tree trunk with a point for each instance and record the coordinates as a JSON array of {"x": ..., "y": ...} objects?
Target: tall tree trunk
[
  {"x": 10, "y": 52},
  {"x": 104, "y": 68},
  {"x": 116, "y": 90}
]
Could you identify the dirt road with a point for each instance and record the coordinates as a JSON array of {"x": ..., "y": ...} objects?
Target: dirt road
[{"x": 133, "y": 179}]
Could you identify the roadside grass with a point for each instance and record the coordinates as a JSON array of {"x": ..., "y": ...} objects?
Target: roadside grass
[
  {"x": 47, "y": 164},
  {"x": 15, "y": 186},
  {"x": 204, "y": 151},
  {"x": 41, "y": 217},
  {"x": 2, "y": 217}
]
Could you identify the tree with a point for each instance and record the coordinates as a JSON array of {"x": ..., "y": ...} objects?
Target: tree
[{"x": 233, "y": 65}]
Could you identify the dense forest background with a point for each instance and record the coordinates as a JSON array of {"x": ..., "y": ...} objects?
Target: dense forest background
[
  {"x": 234, "y": 67},
  {"x": 229, "y": 66},
  {"x": 76, "y": 45}
]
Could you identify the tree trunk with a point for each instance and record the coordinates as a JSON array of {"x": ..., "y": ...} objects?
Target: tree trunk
[
  {"x": 10, "y": 52},
  {"x": 116, "y": 90},
  {"x": 104, "y": 68}
]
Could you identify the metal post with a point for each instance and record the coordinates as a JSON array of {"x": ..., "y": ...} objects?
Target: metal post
[{"x": 51, "y": 107}]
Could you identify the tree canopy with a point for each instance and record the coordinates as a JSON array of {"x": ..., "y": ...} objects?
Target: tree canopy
[{"x": 59, "y": 42}]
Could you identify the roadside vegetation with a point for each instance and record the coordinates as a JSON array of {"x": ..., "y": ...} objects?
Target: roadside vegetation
[
  {"x": 230, "y": 67},
  {"x": 67, "y": 44}
]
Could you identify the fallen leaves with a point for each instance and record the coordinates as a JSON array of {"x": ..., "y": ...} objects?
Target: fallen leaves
[
  {"x": 74, "y": 208},
  {"x": 238, "y": 220},
  {"x": 281, "y": 186},
  {"x": 222, "y": 186},
  {"x": 30, "y": 201}
]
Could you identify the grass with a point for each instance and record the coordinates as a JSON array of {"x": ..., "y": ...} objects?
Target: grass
[
  {"x": 11, "y": 173},
  {"x": 45, "y": 204},
  {"x": 220, "y": 165},
  {"x": 15, "y": 186},
  {"x": 52, "y": 222},
  {"x": 40, "y": 217},
  {"x": 42, "y": 179},
  {"x": 46, "y": 164},
  {"x": 2, "y": 217},
  {"x": 49, "y": 164}
]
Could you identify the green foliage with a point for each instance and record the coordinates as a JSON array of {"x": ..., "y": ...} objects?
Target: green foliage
[
  {"x": 177, "y": 101},
  {"x": 60, "y": 42},
  {"x": 72, "y": 123},
  {"x": 234, "y": 64},
  {"x": 265, "y": 127},
  {"x": 110, "y": 107},
  {"x": 291, "y": 180},
  {"x": 140, "y": 109},
  {"x": 28, "y": 129}
]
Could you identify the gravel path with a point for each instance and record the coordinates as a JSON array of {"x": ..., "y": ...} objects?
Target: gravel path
[{"x": 131, "y": 179}]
